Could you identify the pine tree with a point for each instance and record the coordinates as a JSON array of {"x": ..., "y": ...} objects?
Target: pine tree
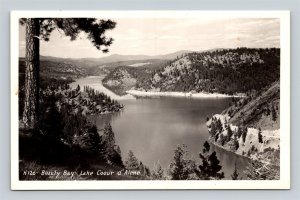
[
  {"x": 274, "y": 114},
  {"x": 132, "y": 162},
  {"x": 116, "y": 158},
  {"x": 222, "y": 139},
  {"x": 52, "y": 122},
  {"x": 146, "y": 172},
  {"x": 260, "y": 138},
  {"x": 90, "y": 141},
  {"x": 210, "y": 167},
  {"x": 236, "y": 143},
  {"x": 219, "y": 126},
  {"x": 108, "y": 136},
  {"x": 78, "y": 88},
  {"x": 216, "y": 137},
  {"x": 235, "y": 174},
  {"x": 40, "y": 29},
  {"x": 158, "y": 173},
  {"x": 239, "y": 132},
  {"x": 215, "y": 166},
  {"x": 268, "y": 111},
  {"x": 229, "y": 133},
  {"x": 206, "y": 147},
  {"x": 226, "y": 124},
  {"x": 113, "y": 152},
  {"x": 181, "y": 167},
  {"x": 213, "y": 129},
  {"x": 244, "y": 134}
]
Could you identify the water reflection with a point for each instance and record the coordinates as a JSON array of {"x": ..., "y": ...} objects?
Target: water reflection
[{"x": 228, "y": 160}]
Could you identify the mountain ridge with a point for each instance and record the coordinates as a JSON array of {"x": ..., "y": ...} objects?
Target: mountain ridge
[
  {"x": 222, "y": 71},
  {"x": 229, "y": 71},
  {"x": 116, "y": 57}
]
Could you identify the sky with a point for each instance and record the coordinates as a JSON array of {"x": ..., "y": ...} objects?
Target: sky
[{"x": 135, "y": 36}]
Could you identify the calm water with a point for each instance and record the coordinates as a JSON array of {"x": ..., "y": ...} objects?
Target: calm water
[{"x": 152, "y": 128}]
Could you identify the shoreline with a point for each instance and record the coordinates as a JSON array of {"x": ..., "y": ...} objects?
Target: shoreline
[
  {"x": 182, "y": 94},
  {"x": 271, "y": 142},
  {"x": 95, "y": 82},
  {"x": 211, "y": 141}
]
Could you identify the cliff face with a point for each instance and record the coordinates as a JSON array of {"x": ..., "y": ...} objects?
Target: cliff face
[
  {"x": 250, "y": 127},
  {"x": 245, "y": 141}
]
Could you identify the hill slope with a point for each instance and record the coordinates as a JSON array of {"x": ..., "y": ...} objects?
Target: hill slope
[
  {"x": 261, "y": 111},
  {"x": 124, "y": 78},
  {"x": 119, "y": 57},
  {"x": 56, "y": 69},
  {"x": 250, "y": 127},
  {"x": 223, "y": 71},
  {"x": 93, "y": 62}
]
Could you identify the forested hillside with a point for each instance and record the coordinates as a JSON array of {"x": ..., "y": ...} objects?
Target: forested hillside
[
  {"x": 123, "y": 78},
  {"x": 57, "y": 70},
  {"x": 260, "y": 110},
  {"x": 250, "y": 127},
  {"x": 222, "y": 71},
  {"x": 64, "y": 137}
]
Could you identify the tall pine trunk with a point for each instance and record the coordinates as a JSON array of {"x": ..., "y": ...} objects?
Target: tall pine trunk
[{"x": 31, "y": 101}]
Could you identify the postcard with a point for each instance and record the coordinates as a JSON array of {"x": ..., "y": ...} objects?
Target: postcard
[{"x": 129, "y": 100}]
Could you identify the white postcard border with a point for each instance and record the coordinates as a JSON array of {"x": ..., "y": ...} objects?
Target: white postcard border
[{"x": 283, "y": 183}]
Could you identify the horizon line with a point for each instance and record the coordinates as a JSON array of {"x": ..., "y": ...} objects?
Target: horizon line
[{"x": 191, "y": 51}]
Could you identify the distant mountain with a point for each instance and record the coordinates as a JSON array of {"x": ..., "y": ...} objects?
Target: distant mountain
[
  {"x": 56, "y": 69},
  {"x": 172, "y": 56},
  {"x": 91, "y": 62},
  {"x": 119, "y": 57},
  {"x": 101, "y": 66},
  {"x": 82, "y": 62}
]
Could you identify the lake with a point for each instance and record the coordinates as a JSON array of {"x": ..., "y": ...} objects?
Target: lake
[{"x": 153, "y": 127}]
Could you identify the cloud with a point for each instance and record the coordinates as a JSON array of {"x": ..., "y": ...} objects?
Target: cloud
[{"x": 162, "y": 36}]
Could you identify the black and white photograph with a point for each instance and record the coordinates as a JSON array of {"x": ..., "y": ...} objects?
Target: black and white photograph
[{"x": 150, "y": 100}]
